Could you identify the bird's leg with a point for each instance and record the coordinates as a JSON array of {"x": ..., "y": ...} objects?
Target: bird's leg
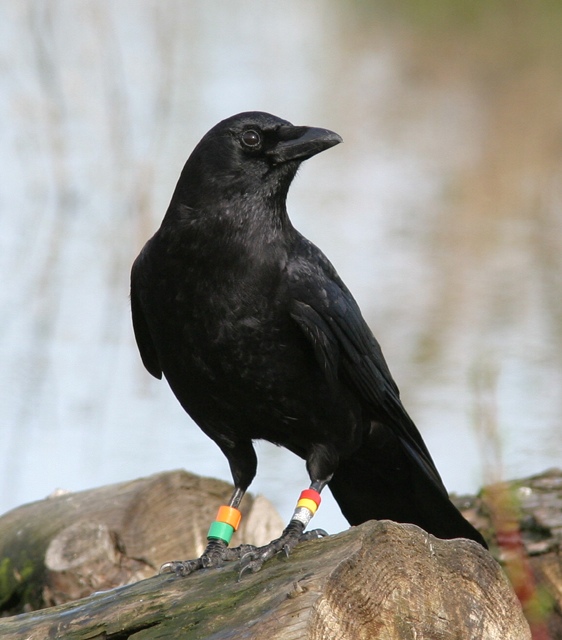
[
  {"x": 218, "y": 538},
  {"x": 293, "y": 533}
]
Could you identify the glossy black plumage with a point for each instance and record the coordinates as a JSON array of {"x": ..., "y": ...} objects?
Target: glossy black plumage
[{"x": 259, "y": 338}]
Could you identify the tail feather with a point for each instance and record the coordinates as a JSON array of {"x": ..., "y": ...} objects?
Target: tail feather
[{"x": 385, "y": 481}]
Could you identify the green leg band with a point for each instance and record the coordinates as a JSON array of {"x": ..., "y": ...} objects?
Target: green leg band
[{"x": 220, "y": 531}]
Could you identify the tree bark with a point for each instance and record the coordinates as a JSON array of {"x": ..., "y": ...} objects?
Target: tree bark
[
  {"x": 68, "y": 546},
  {"x": 379, "y": 581}
]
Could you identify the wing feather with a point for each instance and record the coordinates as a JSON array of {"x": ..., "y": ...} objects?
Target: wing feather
[
  {"x": 345, "y": 348},
  {"x": 148, "y": 352}
]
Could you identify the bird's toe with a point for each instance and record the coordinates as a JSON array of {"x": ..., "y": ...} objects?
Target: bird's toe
[
  {"x": 182, "y": 567},
  {"x": 214, "y": 555},
  {"x": 254, "y": 560},
  {"x": 313, "y": 534}
]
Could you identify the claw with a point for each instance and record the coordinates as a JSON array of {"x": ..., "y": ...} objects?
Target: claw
[
  {"x": 248, "y": 568},
  {"x": 253, "y": 560},
  {"x": 182, "y": 568},
  {"x": 237, "y": 553},
  {"x": 214, "y": 555},
  {"x": 247, "y": 557},
  {"x": 314, "y": 534},
  {"x": 167, "y": 567}
]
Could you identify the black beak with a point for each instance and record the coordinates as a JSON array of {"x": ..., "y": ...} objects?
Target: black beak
[{"x": 300, "y": 143}]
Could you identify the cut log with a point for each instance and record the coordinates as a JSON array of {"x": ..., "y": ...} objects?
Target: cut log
[
  {"x": 68, "y": 546},
  {"x": 522, "y": 521},
  {"x": 379, "y": 581}
]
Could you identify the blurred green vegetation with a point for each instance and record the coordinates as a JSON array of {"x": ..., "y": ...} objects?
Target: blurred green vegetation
[{"x": 467, "y": 15}]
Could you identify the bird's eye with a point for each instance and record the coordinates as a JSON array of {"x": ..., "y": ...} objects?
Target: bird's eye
[{"x": 251, "y": 139}]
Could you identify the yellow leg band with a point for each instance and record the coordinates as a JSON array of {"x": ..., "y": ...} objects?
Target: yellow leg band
[{"x": 309, "y": 504}]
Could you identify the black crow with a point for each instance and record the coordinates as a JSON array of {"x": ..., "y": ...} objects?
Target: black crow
[{"x": 258, "y": 337}]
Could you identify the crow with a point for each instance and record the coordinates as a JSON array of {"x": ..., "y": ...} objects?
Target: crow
[{"x": 259, "y": 338}]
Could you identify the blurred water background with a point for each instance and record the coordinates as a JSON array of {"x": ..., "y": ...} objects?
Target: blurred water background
[{"x": 442, "y": 212}]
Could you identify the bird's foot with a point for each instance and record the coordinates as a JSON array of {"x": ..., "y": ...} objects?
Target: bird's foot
[
  {"x": 254, "y": 559},
  {"x": 215, "y": 555}
]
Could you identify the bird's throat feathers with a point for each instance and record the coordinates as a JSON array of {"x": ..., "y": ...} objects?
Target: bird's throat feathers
[
  {"x": 239, "y": 218},
  {"x": 236, "y": 237}
]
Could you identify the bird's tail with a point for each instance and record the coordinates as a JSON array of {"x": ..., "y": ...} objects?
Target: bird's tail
[{"x": 388, "y": 479}]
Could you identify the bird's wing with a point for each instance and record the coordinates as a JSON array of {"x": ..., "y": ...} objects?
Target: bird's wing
[
  {"x": 145, "y": 344},
  {"x": 346, "y": 349}
]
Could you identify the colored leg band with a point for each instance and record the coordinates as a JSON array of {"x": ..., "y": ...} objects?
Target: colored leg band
[
  {"x": 220, "y": 531},
  {"x": 302, "y": 514},
  {"x": 230, "y": 515},
  {"x": 310, "y": 494},
  {"x": 228, "y": 520},
  {"x": 307, "y": 506}
]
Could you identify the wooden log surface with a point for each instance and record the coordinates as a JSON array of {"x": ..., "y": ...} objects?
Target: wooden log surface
[
  {"x": 522, "y": 521},
  {"x": 381, "y": 580},
  {"x": 70, "y": 545}
]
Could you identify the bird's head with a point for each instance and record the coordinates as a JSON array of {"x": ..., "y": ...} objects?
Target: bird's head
[{"x": 249, "y": 154}]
